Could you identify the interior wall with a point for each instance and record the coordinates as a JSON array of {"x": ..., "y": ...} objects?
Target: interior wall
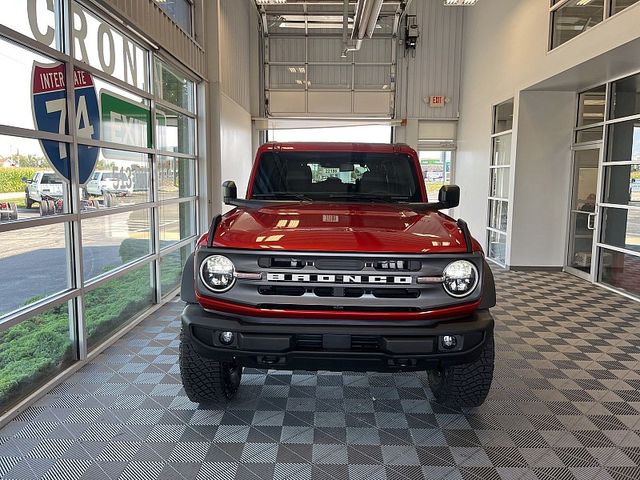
[
  {"x": 505, "y": 52},
  {"x": 435, "y": 68},
  {"x": 542, "y": 179},
  {"x": 235, "y": 53},
  {"x": 236, "y": 151}
]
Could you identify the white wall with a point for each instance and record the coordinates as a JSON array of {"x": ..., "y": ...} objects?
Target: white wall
[
  {"x": 505, "y": 52},
  {"x": 542, "y": 179},
  {"x": 236, "y": 151}
]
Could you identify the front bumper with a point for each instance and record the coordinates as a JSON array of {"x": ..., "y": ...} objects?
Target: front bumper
[{"x": 338, "y": 345}]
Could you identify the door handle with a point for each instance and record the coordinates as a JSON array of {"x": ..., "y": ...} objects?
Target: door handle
[{"x": 591, "y": 221}]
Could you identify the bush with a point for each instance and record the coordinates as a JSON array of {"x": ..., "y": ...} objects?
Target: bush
[
  {"x": 34, "y": 349},
  {"x": 11, "y": 178}
]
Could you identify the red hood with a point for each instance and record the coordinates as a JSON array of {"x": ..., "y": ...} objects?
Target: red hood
[{"x": 339, "y": 227}]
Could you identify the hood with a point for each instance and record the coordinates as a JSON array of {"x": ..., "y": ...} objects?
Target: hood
[{"x": 340, "y": 227}]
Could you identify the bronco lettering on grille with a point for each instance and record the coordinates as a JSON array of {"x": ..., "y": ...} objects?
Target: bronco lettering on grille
[{"x": 329, "y": 278}]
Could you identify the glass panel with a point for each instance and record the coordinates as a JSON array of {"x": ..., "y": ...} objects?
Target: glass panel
[
  {"x": 621, "y": 228},
  {"x": 497, "y": 246},
  {"x": 177, "y": 222},
  {"x": 501, "y": 150},
  {"x": 32, "y": 353},
  {"x": 436, "y": 170},
  {"x": 583, "y": 207},
  {"x": 622, "y": 185},
  {"x": 173, "y": 87},
  {"x": 498, "y": 214},
  {"x": 620, "y": 270},
  {"x": 625, "y": 97},
  {"x": 176, "y": 132},
  {"x": 619, "y": 5},
  {"x": 589, "y": 135},
  {"x": 176, "y": 177},
  {"x": 116, "y": 302},
  {"x": 34, "y": 263},
  {"x": 100, "y": 45},
  {"x": 30, "y": 72},
  {"x": 126, "y": 118},
  {"x": 591, "y": 106},
  {"x": 35, "y": 19},
  {"x": 179, "y": 11},
  {"x": 575, "y": 17},
  {"x": 330, "y": 76},
  {"x": 624, "y": 142},
  {"x": 499, "y": 182},
  {"x": 171, "y": 268},
  {"x": 29, "y": 186},
  {"x": 293, "y": 76},
  {"x": 503, "y": 117},
  {"x": 114, "y": 240},
  {"x": 120, "y": 178},
  {"x": 369, "y": 76}
]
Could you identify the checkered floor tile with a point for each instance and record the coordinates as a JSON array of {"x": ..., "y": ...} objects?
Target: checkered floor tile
[{"x": 565, "y": 404}]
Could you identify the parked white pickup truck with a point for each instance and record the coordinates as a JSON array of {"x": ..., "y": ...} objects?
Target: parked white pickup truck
[{"x": 47, "y": 189}]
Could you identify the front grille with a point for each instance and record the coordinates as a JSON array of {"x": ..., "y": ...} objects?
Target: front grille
[
  {"x": 331, "y": 282},
  {"x": 396, "y": 293},
  {"x": 340, "y": 264},
  {"x": 397, "y": 265},
  {"x": 283, "y": 290}
]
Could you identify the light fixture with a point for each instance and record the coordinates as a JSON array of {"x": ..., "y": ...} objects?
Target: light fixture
[
  {"x": 459, "y": 3},
  {"x": 270, "y": 2}
]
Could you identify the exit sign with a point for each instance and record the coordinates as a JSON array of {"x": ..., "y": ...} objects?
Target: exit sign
[{"x": 437, "y": 101}]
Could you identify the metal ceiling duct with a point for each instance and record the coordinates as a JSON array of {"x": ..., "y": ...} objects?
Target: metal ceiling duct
[{"x": 367, "y": 12}]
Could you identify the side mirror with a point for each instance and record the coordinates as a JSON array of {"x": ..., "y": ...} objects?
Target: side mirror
[
  {"x": 229, "y": 191},
  {"x": 449, "y": 196},
  {"x": 25, "y": 180}
]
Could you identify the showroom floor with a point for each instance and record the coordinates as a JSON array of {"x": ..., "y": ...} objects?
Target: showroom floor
[{"x": 565, "y": 404}]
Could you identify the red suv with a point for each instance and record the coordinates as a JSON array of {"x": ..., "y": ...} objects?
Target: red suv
[{"x": 336, "y": 261}]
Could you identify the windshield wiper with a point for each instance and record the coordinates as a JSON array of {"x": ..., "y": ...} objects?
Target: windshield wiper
[
  {"x": 298, "y": 196},
  {"x": 368, "y": 197}
]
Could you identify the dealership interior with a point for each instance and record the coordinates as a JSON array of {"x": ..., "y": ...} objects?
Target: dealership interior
[{"x": 114, "y": 180}]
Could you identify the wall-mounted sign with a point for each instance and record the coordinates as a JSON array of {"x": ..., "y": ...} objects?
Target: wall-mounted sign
[
  {"x": 437, "y": 101},
  {"x": 124, "y": 121},
  {"x": 49, "y": 105}
]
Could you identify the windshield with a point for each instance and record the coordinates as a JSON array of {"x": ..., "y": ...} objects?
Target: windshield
[
  {"x": 336, "y": 175},
  {"x": 50, "y": 178}
]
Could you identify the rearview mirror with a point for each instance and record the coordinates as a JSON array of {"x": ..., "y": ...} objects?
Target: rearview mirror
[
  {"x": 229, "y": 191},
  {"x": 449, "y": 196}
]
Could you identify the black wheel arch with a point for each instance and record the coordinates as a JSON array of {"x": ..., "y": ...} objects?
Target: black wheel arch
[
  {"x": 187, "y": 286},
  {"x": 488, "y": 299}
]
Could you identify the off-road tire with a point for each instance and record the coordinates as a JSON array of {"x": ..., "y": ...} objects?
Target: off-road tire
[
  {"x": 465, "y": 385},
  {"x": 206, "y": 380}
]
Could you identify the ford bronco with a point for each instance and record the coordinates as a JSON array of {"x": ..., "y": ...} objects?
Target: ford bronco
[{"x": 336, "y": 261}]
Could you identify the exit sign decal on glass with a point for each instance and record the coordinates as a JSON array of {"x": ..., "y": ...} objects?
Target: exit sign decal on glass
[{"x": 436, "y": 101}]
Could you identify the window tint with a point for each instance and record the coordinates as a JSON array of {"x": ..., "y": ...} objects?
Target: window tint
[{"x": 327, "y": 175}]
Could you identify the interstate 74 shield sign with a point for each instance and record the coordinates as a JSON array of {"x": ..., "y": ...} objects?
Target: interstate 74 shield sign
[{"x": 50, "y": 115}]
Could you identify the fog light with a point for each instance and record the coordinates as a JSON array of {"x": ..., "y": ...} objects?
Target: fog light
[
  {"x": 449, "y": 341},
  {"x": 226, "y": 338}
]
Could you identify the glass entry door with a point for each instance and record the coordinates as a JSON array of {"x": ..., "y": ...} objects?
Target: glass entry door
[{"x": 583, "y": 213}]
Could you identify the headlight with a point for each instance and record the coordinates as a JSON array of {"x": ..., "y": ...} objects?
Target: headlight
[
  {"x": 217, "y": 273},
  {"x": 460, "y": 278}
]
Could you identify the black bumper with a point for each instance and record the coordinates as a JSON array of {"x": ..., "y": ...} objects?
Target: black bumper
[{"x": 338, "y": 346}]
